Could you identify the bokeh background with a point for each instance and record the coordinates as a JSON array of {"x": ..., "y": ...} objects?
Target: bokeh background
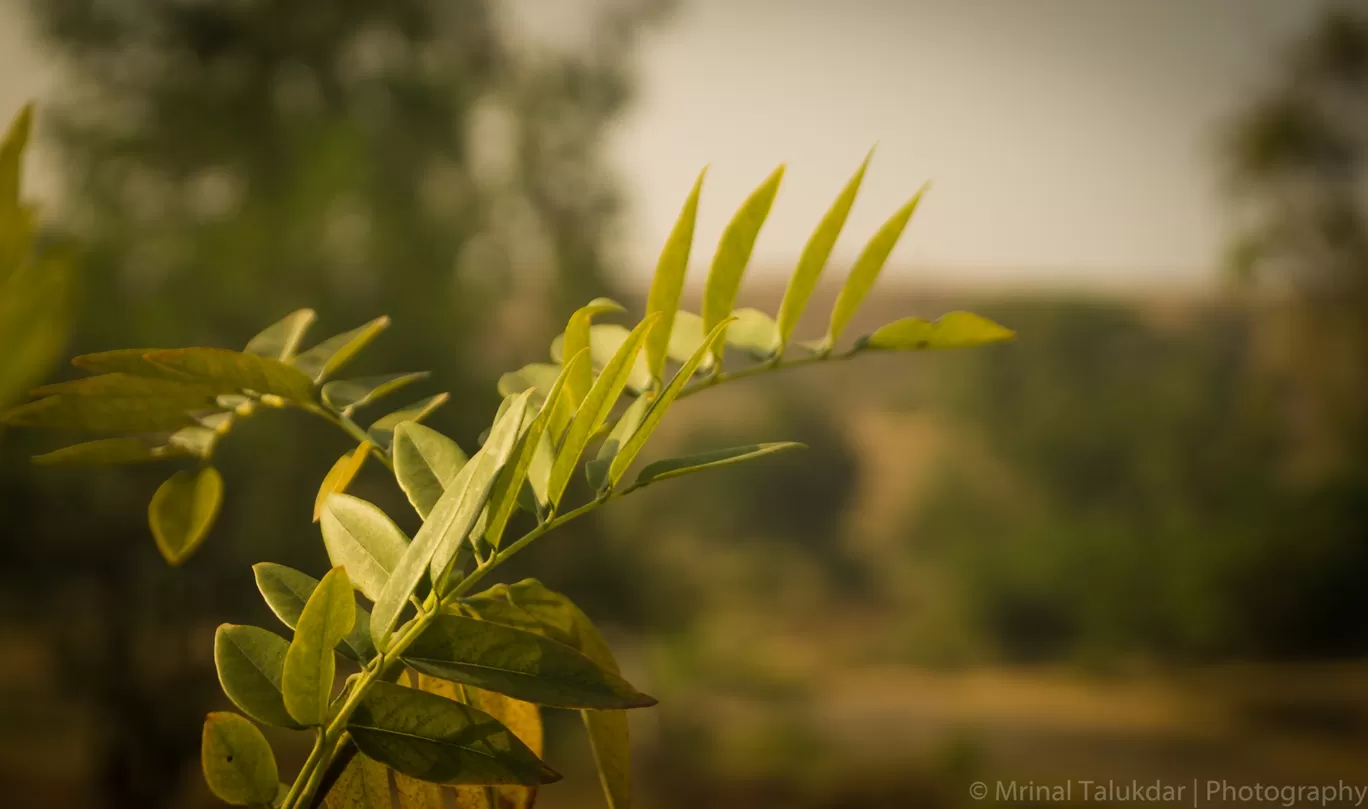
[{"x": 1130, "y": 545}]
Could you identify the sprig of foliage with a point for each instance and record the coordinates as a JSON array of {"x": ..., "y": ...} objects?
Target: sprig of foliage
[{"x": 450, "y": 680}]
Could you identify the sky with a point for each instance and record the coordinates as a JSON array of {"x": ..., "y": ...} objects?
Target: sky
[
  {"x": 1069, "y": 140},
  {"x": 1065, "y": 140}
]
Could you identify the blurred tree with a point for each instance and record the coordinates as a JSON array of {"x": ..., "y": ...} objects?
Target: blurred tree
[
  {"x": 1298, "y": 162},
  {"x": 227, "y": 162}
]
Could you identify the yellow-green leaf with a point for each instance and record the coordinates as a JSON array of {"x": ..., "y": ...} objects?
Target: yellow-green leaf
[
  {"x": 349, "y": 394},
  {"x": 127, "y": 361},
  {"x": 734, "y": 252},
  {"x": 234, "y": 371},
  {"x": 310, "y": 666},
  {"x": 577, "y": 338},
  {"x": 637, "y": 440},
  {"x": 280, "y": 340},
  {"x": 134, "y": 414},
  {"x": 238, "y": 764},
  {"x": 12, "y": 152},
  {"x": 425, "y": 463},
  {"x": 604, "y": 341},
  {"x": 627, "y": 424},
  {"x": 815, "y": 255},
  {"x": 450, "y": 521},
  {"x": 951, "y": 330},
  {"x": 539, "y": 375},
  {"x": 594, "y": 410},
  {"x": 107, "y": 451},
  {"x": 521, "y": 664},
  {"x": 361, "y": 539},
  {"x": 343, "y": 472},
  {"x": 381, "y": 430},
  {"x": 479, "y": 484},
  {"x": 867, "y": 268},
  {"x": 250, "y": 662},
  {"x": 324, "y": 359},
  {"x": 504, "y": 497},
  {"x": 674, "y": 467},
  {"x": 286, "y": 591},
  {"x": 755, "y": 333},
  {"x": 183, "y": 510},
  {"x": 438, "y": 740},
  {"x": 668, "y": 281},
  {"x": 685, "y": 338}
]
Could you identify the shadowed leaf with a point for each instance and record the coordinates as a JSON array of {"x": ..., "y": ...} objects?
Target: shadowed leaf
[
  {"x": 250, "y": 662},
  {"x": 238, "y": 764},
  {"x": 326, "y": 358},
  {"x": 286, "y": 591},
  {"x": 280, "y": 340},
  {"x": 674, "y": 467},
  {"x": 183, "y": 510}
]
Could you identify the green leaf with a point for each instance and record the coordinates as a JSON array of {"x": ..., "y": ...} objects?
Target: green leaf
[
  {"x": 754, "y": 333},
  {"x": 132, "y": 414},
  {"x": 668, "y": 281},
  {"x": 238, "y": 764},
  {"x": 685, "y": 338},
  {"x": 674, "y": 467},
  {"x": 951, "y": 330},
  {"x": 349, "y": 394},
  {"x": 233, "y": 371},
  {"x": 815, "y": 255},
  {"x": 280, "y": 340},
  {"x": 484, "y": 469},
  {"x": 451, "y": 518},
  {"x": 361, "y": 539},
  {"x": 425, "y": 463},
  {"x": 343, "y": 472},
  {"x": 634, "y": 444},
  {"x": 186, "y": 393},
  {"x": 127, "y": 361},
  {"x": 11, "y": 154},
  {"x": 597, "y": 470},
  {"x": 596, "y": 407},
  {"x": 523, "y": 665},
  {"x": 507, "y": 486},
  {"x": 734, "y": 252},
  {"x": 310, "y": 666},
  {"x": 107, "y": 451},
  {"x": 435, "y": 739},
  {"x": 867, "y": 268},
  {"x": 382, "y": 430},
  {"x": 577, "y": 337},
  {"x": 250, "y": 662},
  {"x": 604, "y": 341},
  {"x": 539, "y": 375},
  {"x": 183, "y": 510},
  {"x": 559, "y": 619},
  {"x": 286, "y": 591},
  {"x": 324, "y": 359}
]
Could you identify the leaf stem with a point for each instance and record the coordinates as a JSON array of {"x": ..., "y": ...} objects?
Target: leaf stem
[
  {"x": 777, "y": 364},
  {"x": 351, "y": 428}
]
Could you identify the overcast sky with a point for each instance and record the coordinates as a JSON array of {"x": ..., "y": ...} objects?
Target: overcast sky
[{"x": 1066, "y": 139}]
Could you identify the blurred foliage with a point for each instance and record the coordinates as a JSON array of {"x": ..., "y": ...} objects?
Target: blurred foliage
[
  {"x": 1298, "y": 165},
  {"x": 223, "y": 163}
]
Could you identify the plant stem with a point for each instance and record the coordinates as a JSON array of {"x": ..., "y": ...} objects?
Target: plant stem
[
  {"x": 757, "y": 370},
  {"x": 351, "y": 428}
]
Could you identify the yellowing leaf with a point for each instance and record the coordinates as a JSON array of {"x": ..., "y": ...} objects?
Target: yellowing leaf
[
  {"x": 815, "y": 255},
  {"x": 237, "y": 761},
  {"x": 734, "y": 252},
  {"x": 341, "y": 475},
  {"x": 668, "y": 281},
  {"x": 183, "y": 510},
  {"x": 577, "y": 338},
  {"x": 867, "y": 268},
  {"x": 951, "y": 330}
]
